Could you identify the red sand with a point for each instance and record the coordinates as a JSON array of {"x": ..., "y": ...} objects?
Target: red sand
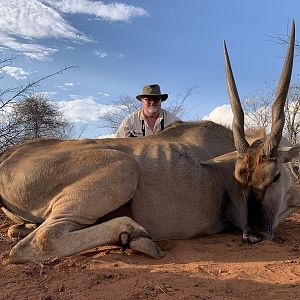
[{"x": 213, "y": 267}]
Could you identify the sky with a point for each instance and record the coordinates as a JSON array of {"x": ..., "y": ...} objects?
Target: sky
[{"x": 119, "y": 47}]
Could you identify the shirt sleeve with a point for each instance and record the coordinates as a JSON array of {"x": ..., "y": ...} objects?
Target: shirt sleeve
[
  {"x": 170, "y": 118},
  {"x": 176, "y": 119},
  {"x": 123, "y": 130}
]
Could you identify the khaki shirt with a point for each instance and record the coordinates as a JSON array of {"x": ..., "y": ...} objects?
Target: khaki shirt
[{"x": 132, "y": 124}]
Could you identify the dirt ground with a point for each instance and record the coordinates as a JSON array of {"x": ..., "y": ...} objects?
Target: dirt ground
[{"x": 212, "y": 267}]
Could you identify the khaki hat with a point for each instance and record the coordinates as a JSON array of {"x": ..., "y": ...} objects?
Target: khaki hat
[{"x": 152, "y": 90}]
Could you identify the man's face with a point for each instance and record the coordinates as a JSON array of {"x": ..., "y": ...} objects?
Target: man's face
[{"x": 151, "y": 105}]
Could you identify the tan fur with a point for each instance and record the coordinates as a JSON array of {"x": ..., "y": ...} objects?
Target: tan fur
[
  {"x": 256, "y": 133},
  {"x": 254, "y": 169}
]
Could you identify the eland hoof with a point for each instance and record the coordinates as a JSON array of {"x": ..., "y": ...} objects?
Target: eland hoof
[
  {"x": 146, "y": 246},
  {"x": 251, "y": 238}
]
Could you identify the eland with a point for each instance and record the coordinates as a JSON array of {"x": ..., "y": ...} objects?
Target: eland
[{"x": 191, "y": 179}]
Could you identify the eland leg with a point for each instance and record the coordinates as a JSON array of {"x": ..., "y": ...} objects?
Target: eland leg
[
  {"x": 60, "y": 237},
  {"x": 70, "y": 226}
]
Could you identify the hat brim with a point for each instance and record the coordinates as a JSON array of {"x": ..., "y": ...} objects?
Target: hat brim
[{"x": 162, "y": 96}]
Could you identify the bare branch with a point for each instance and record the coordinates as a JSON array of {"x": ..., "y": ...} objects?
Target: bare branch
[
  {"x": 22, "y": 90},
  {"x": 19, "y": 121},
  {"x": 177, "y": 106},
  {"x": 283, "y": 39},
  {"x": 257, "y": 108}
]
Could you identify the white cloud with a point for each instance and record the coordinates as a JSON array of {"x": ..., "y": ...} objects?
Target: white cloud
[
  {"x": 22, "y": 22},
  {"x": 16, "y": 72},
  {"x": 48, "y": 94},
  {"x": 33, "y": 51},
  {"x": 110, "y": 12},
  {"x": 69, "y": 84},
  {"x": 84, "y": 109},
  {"x": 104, "y": 94},
  {"x": 33, "y": 19},
  {"x": 120, "y": 55},
  {"x": 103, "y": 54},
  {"x": 65, "y": 86},
  {"x": 221, "y": 114},
  {"x": 74, "y": 96},
  {"x": 107, "y": 136},
  {"x": 100, "y": 53}
]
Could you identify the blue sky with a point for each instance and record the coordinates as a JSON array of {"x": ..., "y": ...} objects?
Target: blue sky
[{"x": 121, "y": 46}]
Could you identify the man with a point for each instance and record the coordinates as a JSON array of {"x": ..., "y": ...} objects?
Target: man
[{"x": 151, "y": 118}]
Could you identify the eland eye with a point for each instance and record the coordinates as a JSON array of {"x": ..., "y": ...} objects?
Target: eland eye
[{"x": 276, "y": 177}]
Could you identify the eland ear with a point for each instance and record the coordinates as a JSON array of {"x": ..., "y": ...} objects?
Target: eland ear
[
  {"x": 286, "y": 154},
  {"x": 224, "y": 158}
]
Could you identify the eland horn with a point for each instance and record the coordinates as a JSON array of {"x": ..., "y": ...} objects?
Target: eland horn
[
  {"x": 273, "y": 139},
  {"x": 240, "y": 141}
]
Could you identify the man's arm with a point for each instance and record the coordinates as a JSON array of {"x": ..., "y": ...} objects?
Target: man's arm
[
  {"x": 123, "y": 130},
  {"x": 171, "y": 118}
]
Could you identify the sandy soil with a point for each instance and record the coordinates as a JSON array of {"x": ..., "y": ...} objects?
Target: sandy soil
[{"x": 213, "y": 267}]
